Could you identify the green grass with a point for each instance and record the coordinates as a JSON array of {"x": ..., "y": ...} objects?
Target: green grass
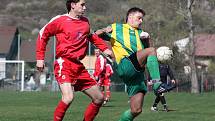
[{"x": 39, "y": 106}]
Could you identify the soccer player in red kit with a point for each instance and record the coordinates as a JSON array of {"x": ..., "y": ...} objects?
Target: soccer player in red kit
[
  {"x": 100, "y": 65},
  {"x": 107, "y": 82},
  {"x": 102, "y": 74},
  {"x": 72, "y": 32}
]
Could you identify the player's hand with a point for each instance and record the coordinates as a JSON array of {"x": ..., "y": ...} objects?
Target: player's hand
[
  {"x": 150, "y": 83},
  {"x": 109, "y": 53},
  {"x": 144, "y": 35},
  {"x": 173, "y": 81},
  {"x": 40, "y": 65},
  {"x": 108, "y": 29}
]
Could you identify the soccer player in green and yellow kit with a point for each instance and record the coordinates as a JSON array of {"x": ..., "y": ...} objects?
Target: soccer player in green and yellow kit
[{"x": 132, "y": 55}]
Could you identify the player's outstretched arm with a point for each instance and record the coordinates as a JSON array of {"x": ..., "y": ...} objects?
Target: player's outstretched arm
[
  {"x": 104, "y": 30},
  {"x": 108, "y": 53}
]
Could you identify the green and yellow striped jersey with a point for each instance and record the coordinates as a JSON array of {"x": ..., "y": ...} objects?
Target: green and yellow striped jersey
[{"x": 124, "y": 40}]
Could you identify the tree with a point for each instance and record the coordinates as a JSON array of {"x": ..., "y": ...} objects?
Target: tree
[{"x": 191, "y": 49}]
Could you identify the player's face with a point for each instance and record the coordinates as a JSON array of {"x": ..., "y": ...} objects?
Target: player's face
[
  {"x": 97, "y": 52},
  {"x": 135, "y": 20},
  {"x": 80, "y": 7}
]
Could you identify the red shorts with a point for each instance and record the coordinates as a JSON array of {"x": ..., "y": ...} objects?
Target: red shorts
[
  {"x": 104, "y": 82},
  {"x": 73, "y": 72}
]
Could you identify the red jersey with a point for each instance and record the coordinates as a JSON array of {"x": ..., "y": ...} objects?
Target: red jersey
[
  {"x": 109, "y": 71},
  {"x": 100, "y": 66},
  {"x": 72, "y": 35}
]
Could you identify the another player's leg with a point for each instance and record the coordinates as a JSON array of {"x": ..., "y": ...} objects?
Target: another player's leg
[
  {"x": 108, "y": 93},
  {"x": 97, "y": 100},
  {"x": 67, "y": 97},
  {"x": 156, "y": 101},
  {"x": 148, "y": 57},
  {"x": 127, "y": 116},
  {"x": 107, "y": 90},
  {"x": 132, "y": 74},
  {"x": 101, "y": 84},
  {"x": 104, "y": 93},
  {"x": 163, "y": 102},
  {"x": 136, "y": 103},
  {"x": 102, "y": 88},
  {"x": 67, "y": 90}
]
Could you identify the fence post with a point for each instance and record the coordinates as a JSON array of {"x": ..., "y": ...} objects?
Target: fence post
[{"x": 202, "y": 81}]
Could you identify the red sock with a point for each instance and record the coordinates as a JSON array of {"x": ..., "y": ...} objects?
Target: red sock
[
  {"x": 91, "y": 111},
  {"x": 108, "y": 93},
  {"x": 60, "y": 111},
  {"x": 103, "y": 93}
]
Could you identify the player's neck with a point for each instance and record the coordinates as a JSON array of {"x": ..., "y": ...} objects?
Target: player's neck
[
  {"x": 131, "y": 26},
  {"x": 73, "y": 15}
]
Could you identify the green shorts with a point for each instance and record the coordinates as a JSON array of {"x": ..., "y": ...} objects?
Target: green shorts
[
  {"x": 155, "y": 86},
  {"x": 134, "y": 80}
]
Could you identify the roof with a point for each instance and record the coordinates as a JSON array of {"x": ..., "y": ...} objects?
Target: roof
[
  {"x": 6, "y": 37},
  {"x": 204, "y": 44}
]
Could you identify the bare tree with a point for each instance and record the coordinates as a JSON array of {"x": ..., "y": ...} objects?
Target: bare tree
[
  {"x": 185, "y": 8},
  {"x": 191, "y": 48}
]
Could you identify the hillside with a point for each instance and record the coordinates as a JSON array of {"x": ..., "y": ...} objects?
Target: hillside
[{"x": 163, "y": 19}]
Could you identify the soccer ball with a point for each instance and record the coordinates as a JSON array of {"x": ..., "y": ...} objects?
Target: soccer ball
[{"x": 164, "y": 53}]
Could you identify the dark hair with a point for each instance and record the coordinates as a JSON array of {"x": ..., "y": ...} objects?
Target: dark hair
[
  {"x": 68, "y": 4},
  {"x": 133, "y": 10}
]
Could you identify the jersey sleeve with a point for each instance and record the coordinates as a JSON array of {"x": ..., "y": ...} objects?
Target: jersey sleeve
[
  {"x": 170, "y": 73},
  {"x": 99, "y": 66},
  {"x": 106, "y": 36},
  {"x": 98, "y": 42},
  {"x": 109, "y": 70},
  {"x": 50, "y": 29}
]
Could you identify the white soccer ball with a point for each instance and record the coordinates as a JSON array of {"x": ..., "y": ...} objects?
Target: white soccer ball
[{"x": 164, "y": 53}]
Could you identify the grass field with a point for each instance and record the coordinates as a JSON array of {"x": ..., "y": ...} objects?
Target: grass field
[{"x": 39, "y": 106}]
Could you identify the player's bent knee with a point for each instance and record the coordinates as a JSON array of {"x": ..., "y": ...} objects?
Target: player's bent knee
[
  {"x": 136, "y": 112},
  {"x": 150, "y": 51},
  {"x": 67, "y": 99},
  {"x": 98, "y": 99}
]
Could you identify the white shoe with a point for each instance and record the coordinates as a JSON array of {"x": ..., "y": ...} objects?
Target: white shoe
[
  {"x": 154, "y": 109},
  {"x": 105, "y": 102}
]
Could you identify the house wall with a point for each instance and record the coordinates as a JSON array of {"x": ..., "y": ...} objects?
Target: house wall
[
  {"x": 89, "y": 62},
  {"x": 2, "y": 68}
]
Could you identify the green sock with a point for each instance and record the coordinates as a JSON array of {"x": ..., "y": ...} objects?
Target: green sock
[
  {"x": 153, "y": 67},
  {"x": 155, "y": 86},
  {"x": 126, "y": 116}
]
